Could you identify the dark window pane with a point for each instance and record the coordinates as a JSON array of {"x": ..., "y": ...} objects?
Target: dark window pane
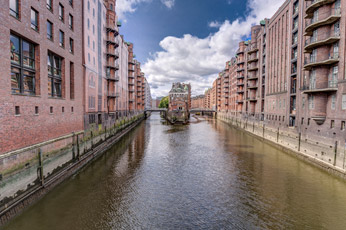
[
  {"x": 57, "y": 88},
  {"x": 49, "y": 30},
  {"x": 14, "y": 49},
  {"x": 28, "y": 82},
  {"x": 14, "y": 8},
  {"x": 15, "y": 80},
  {"x": 34, "y": 19},
  {"x": 28, "y": 55},
  {"x": 49, "y": 86}
]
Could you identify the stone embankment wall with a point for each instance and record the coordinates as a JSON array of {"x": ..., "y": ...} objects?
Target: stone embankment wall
[
  {"x": 26, "y": 175},
  {"x": 325, "y": 153}
]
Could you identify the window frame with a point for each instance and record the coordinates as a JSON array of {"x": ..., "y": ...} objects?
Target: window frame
[
  {"x": 70, "y": 21},
  {"x": 61, "y": 39},
  {"x": 14, "y": 12},
  {"x": 49, "y": 5},
  {"x": 37, "y": 18},
  {"x": 51, "y": 38},
  {"x": 61, "y": 12},
  {"x": 25, "y": 71},
  {"x": 52, "y": 77}
]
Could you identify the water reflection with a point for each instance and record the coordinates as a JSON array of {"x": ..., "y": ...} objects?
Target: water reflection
[{"x": 206, "y": 175}]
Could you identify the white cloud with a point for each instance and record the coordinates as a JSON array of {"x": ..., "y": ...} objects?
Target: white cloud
[
  {"x": 130, "y": 6},
  {"x": 168, "y": 3},
  {"x": 215, "y": 24},
  {"x": 198, "y": 60}
]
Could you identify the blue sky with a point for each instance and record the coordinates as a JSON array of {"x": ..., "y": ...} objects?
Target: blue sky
[
  {"x": 153, "y": 21},
  {"x": 188, "y": 40}
]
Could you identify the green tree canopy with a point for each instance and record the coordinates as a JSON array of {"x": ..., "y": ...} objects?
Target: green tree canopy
[{"x": 164, "y": 103}]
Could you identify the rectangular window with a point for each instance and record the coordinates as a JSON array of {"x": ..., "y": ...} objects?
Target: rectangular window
[
  {"x": 71, "y": 80},
  {"x": 333, "y": 103},
  {"x": 311, "y": 102},
  {"x": 50, "y": 5},
  {"x": 70, "y": 21},
  {"x": 34, "y": 19},
  {"x": 54, "y": 75},
  {"x": 61, "y": 39},
  {"x": 17, "y": 110},
  {"x": 22, "y": 66},
  {"x": 343, "y": 102},
  {"x": 332, "y": 124},
  {"x": 71, "y": 45},
  {"x": 14, "y": 8},
  {"x": 342, "y": 125},
  {"x": 50, "y": 30},
  {"x": 71, "y": 2},
  {"x": 61, "y": 12},
  {"x": 51, "y": 110},
  {"x": 36, "y": 110}
]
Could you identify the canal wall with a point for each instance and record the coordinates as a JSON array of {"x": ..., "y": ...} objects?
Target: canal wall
[
  {"x": 327, "y": 154},
  {"x": 26, "y": 175}
]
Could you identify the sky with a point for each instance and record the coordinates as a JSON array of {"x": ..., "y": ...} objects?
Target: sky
[{"x": 188, "y": 40}]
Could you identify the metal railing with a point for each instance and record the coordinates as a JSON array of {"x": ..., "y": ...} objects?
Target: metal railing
[
  {"x": 321, "y": 37},
  {"x": 317, "y": 59},
  {"x": 321, "y": 17}
]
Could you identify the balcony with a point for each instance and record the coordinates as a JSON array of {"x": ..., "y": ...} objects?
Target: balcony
[
  {"x": 240, "y": 69},
  {"x": 111, "y": 27},
  {"x": 112, "y": 53},
  {"x": 111, "y": 40},
  {"x": 252, "y": 77},
  {"x": 240, "y": 91},
  {"x": 239, "y": 51},
  {"x": 240, "y": 101},
  {"x": 112, "y": 65},
  {"x": 331, "y": 87},
  {"x": 112, "y": 77},
  {"x": 240, "y": 83},
  {"x": 131, "y": 100},
  {"x": 252, "y": 68},
  {"x": 253, "y": 49},
  {"x": 255, "y": 59},
  {"x": 252, "y": 99},
  {"x": 240, "y": 76},
  {"x": 309, "y": 63},
  {"x": 132, "y": 68},
  {"x": 226, "y": 86},
  {"x": 322, "y": 39},
  {"x": 252, "y": 86},
  {"x": 112, "y": 95},
  {"x": 311, "y": 6},
  {"x": 239, "y": 62},
  {"x": 131, "y": 83},
  {"x": 323, "y": 19}
]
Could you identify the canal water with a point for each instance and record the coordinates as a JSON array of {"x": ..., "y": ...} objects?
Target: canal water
[{"x": 205, "y": 175}]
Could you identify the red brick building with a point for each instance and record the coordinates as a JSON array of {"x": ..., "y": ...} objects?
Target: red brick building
[
  {"x": 41, "y": 57},
  {"x": 291, "y": 74},
  {"x": 198, "y": 102}
]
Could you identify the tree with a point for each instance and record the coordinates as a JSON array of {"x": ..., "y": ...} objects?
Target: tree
[{"x": 164, "y": 103}]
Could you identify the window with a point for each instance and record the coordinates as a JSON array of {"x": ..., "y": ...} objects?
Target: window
[
  {"x": 342, "y": 125},
  {"x": 295, "y": 7},
  {"x": 343, "y": 102},
  {"x": 61, "y": 39},
  {"x": 63, "y": 109},
  {"x": 295, "y": 38},
  {"x": 71, "y": 80},
  {"x": 17, "y": 110},
  {"x": 333, "y": 103},
  {"x": 36, "y": 110},
  {"x": 22, "y": 66},
  {"x": 93, "y": 12},
  {"x": 88, "y": 41},
  {"x": 61, "y": 12},
  {"x": 71, "y": 45},
  {"x": 88, "y": 24},
  {"x": 332, "y": 124},
  {"x": 50, "y": 30},
  {"x": 88, "y": 6},
  {"x": 94, "y": 45},
  {"x": 89, "y": 57},
  {"x": 312, "y": 80},
  {"x": 311, "y": 102},
  {"x": 337, "y": 29},
  {"x": 335, "y": 51},
  {"x": 308, "y": 121},
  {"x": 302, "y": 121},
  {"x": 54, "y": 75},
  {"x": 295, "y": 23},
  {"x": 313, "y": 56},
  {"x": 51, "y": 110},
  {"x": 93, "y": 29},
  {"x": 34, "y": 19},
  {"x": 71, "y": 2},
  {"x": 49, "y": 5},
  {"x": 72, "y": 109},
  {"x": 14, "y": 9},
  {"x": 70, "y": 21}
]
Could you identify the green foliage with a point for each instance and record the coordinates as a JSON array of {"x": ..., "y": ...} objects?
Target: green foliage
[{"x": 164, "y": 103}]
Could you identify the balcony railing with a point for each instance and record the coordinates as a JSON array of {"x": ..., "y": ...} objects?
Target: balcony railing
[
  {"x": 112, "y": 65},
  {"x": 253, "y": 48},
  {"x": 111, "y": 77},
  {"x": 112, "y": 95},
  {"x": 317, "y": 61},
  {"x": 312, "y": 5},
  {"x": 240, "y": 76},
  {"x": 322, "y": 39},
  {"x": 329, "y": 17},
  {"x": 332, "y": 86}
]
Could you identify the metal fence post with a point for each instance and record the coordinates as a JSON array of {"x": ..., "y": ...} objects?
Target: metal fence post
[
  {"x": 335, "y": 151},
  {"x": 40, "y": 166}
]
